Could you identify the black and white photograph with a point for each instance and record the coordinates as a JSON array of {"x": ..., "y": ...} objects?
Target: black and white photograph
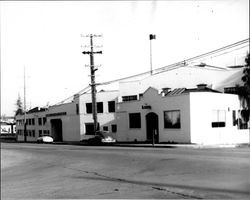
[{"x": 125, "y": 99}]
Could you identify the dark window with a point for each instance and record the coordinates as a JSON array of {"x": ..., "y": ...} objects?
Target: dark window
[
  {"x": 129, "y": 98},
  {"x": 33, "y": 133},
  {"x": 172, "y": 119},
  {"x": 135, "y": 120},
  {"x": 88, "y": 107},
  {"x": 77, "y": 109},
  {"x": 114, "y": 128},
  {"x": 39, "y": 121},
  {"x": 111, "y": 106},
  {"x": 219, "y": 118},
  {"x": 99, "y": 107},
  {"x": 89, "y": 128},
  {"x": 234, "y": 118},
  {"x": 40, "y": 133},
  {"x": 33, "y": 121},
  {"x": 44, "y": 120},
  {"x": 105, "y": 128}
]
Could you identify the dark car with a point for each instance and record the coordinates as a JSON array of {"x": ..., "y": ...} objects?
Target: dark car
[{"x": 100, "y": 138}]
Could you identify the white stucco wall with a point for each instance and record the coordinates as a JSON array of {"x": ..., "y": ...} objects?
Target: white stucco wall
[
  {"x": 202, "y": 105},
  {"x": 70, "y": 121},
  {"x": 104, "y": 119},
  {"x": 158, "y": 105}
]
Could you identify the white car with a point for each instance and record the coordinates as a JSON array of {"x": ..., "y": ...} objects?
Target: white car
[{"x": 45, "y": 139}]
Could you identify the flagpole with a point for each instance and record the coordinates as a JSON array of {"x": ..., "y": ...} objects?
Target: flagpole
[{"x": 151, "y": 37}]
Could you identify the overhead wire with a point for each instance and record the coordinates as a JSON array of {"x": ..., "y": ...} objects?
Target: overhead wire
[{"x": 168, "y": 67}]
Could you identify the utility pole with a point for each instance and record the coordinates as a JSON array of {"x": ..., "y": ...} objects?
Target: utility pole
[
  {"x": 92, "y": 77},
  {"x": 151, "y": 37},
  {"x": 24, "y": 107}
]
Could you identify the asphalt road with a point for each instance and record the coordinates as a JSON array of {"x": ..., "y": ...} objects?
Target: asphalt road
[{"x": 51, "y": 171}]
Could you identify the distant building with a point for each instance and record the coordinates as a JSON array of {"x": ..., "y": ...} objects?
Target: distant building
[
  {"x": 168, "y": 103},
  {"x": 8, "y": 125}
]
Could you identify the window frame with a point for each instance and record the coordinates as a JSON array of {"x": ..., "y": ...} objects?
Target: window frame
[
  {"x": 176, "y": 125},
  {"x": 111, "y": 106},
  {"x": 219, "y": 122},
  {"x": 133, "y": 120}
]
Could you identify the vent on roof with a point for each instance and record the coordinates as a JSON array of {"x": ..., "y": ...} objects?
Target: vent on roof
[
  {"x": 176, "y": 91},
  {"x": 165, "y": 91}
]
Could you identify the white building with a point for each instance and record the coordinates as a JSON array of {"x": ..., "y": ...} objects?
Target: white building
[
  {"x": 182, "y": 115},
  {"x": 162, "y": 102},
  {"x": 70, "y": 121}
]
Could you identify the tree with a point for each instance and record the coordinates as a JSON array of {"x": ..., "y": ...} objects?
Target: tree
[
  {"x": 246, "y": 80},
  {"x": 244, "y": 91},
  {"x": 19, "y": 106}
]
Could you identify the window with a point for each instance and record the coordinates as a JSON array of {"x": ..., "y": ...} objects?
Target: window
[
  {"x": 33, "y": 121},
  {"x": 135, "y": 120},
  {"x": 111, "y": 106},
  {"x": 114, "y": 128},
  {"x": 89, "y": 129},
  {"x": 44, "y": 120},
  {"x": 99, "y": 107},
  {"x": 77, "y": 109},
  {"x": 46, "y": 132},
  {"x": 234, "y": 118},
  {"x": 33, "y": 133},
  {"x": 129, "y": 98},
  {"x": 172, "y": 119},
  {"x": 88, "y": 107},
  {"x": 218, "y": 118},
  {"x": 40, "y": 133},
  {"x": 105, "y": 128},
  {"x": 39, "y": 121}
]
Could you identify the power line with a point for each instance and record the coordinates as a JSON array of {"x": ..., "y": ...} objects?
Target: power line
[{"x": 171, "y": 66}]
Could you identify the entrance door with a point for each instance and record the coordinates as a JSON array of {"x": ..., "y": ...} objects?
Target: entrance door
[
  {"x": 152, "y": 127},
  {"x": 56, "y": 128}
]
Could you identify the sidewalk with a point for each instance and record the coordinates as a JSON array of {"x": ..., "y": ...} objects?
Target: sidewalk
[{"x": 195, "y": 146}]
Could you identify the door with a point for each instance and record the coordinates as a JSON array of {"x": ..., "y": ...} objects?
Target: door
[
  {"x": 56, "y": 128},
  {"x": 152, "y": 127}
]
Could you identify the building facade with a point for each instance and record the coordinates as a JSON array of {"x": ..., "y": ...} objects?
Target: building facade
[
  {"x": 158, "y": 107},
  {"x": 199, "y": 116}
]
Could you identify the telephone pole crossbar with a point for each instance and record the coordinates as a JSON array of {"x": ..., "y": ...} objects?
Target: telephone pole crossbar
[{"x": 92, "y": 75}]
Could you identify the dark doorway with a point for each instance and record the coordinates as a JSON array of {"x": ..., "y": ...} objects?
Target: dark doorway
[
  {"x": 56, "y": 129},
  {"x": 152, "y": 127}
]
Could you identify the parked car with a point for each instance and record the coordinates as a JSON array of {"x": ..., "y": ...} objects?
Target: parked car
[
  {"x": 45, "y": 139},
  {"x": 101, "y": 138}
]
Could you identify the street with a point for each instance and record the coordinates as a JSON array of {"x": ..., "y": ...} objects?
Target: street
[{"x": 51, "y": 171}]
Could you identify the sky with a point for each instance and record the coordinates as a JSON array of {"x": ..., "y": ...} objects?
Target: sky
[{"x": 46, "y": 39}]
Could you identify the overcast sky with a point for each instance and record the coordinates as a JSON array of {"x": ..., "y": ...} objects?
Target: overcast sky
[{"x": 45, "y": 38}]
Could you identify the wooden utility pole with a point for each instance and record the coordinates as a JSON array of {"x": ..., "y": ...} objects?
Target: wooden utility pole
[{"x": 92, "y": 77}]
